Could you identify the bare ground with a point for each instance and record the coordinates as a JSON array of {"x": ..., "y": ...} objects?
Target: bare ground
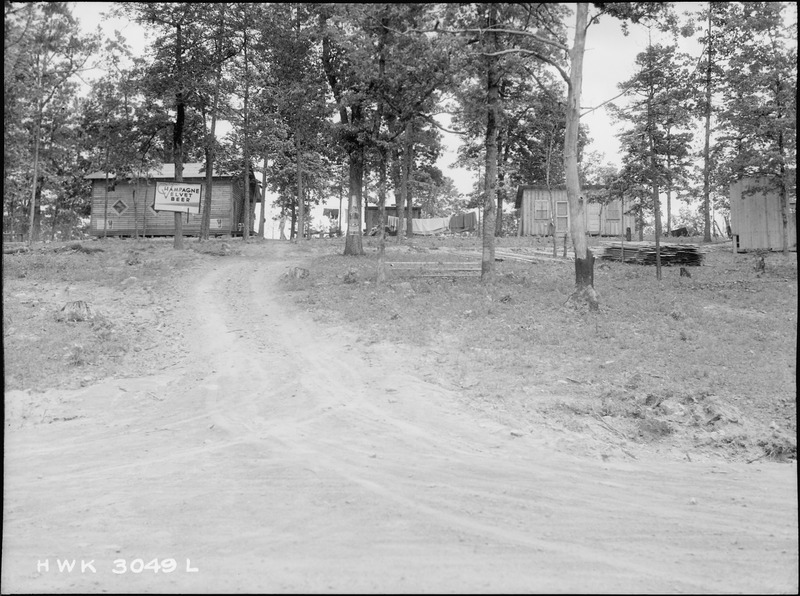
[{"x": 273, "y": 454}]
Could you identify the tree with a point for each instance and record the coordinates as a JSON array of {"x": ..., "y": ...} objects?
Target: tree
[
  {"x": 343, "y": 53},
  {"x": 297, "y": 94},
  {"x": 210, "y": 101},
  {"x": 44, "y": 50},
  {"x": 492, "y": 114},
  {"x": 758, "y": 115},
  {"x": 659, "y": 139},
  {"x": 708, "y": 109},
  {"x": 175, "y": 74},
  {"x": 584, "y": 259},
  {"x": 415, "y": 68},
  {"x": 503, "y": 33}
]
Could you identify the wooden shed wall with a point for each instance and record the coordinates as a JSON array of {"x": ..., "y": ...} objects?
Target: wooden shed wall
[
  {"x": 152, "y": 223},
  {"x": 606, "y": 220},
  {"x": 535, "y": 211},
  {"x": 756, "y": 218}
]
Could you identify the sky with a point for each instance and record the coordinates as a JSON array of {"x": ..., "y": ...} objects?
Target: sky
[{"x": 609, "y": 60}]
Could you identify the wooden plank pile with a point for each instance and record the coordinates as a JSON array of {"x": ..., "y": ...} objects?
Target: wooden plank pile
[
  {"x": 644, "y": 253},
  {"x": 502, "y": 255},
  {"x": 433, "y": 268},
  {"x": 528, "y": 257}
]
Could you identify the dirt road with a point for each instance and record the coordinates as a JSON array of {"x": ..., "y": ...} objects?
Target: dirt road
[{"x": 280, "y": 455}]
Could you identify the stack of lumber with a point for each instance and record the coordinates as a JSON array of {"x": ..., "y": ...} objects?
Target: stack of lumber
[
  {"x": 530, "y": 257},
  {"x": 434, "y": 268},
  {"x": 644, "y": 253}
]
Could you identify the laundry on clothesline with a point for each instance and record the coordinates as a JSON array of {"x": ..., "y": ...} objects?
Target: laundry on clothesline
[
  {"x": 466, "y": 222},
  {"x": 430, "y": 226}
]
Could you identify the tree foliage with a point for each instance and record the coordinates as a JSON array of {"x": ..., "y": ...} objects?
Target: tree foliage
[{"x": 363, "y": 84}]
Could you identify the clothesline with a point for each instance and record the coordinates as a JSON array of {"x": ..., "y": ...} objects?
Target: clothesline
[{"x": 467, "y": 222}]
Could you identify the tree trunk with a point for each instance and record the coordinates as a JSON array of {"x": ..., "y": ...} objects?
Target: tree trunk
[
  {"x": 382, "y": 152},
  {"x": 246, "y": 133},
  {"x": 177, "y": 139},
  {"x": 490, "y": 196},
  {"x": 551, "y": 201},
  {"x": 669, "y": 185},
  {"x": 144, "y": 214},
  {"x": 105, "y": 198},
  {"x": 584, "y": 260},
  {"x": 707, "y": 147},
  {"x": 353, "y": 245},
  {"x": 400, "y": 202},
  {"x": 33, "y": 228},
  {"x": 365, "y": 198},
  {"x": 301, "y": 204},
  {"x": 382, "y": 210},
  {"x": 135, "y": 211},
  {"x": 782, "y": 184},
  {"x": 55, "y": 220},
  {"x": 408, "y": 161},
  {"x": 657, "y": 209},
  {"x": 205, "y": 220},
  {"x": 263, "y": 219},
  {"x": 502, "y": 159},
  {"x": 651, "y": 131},
  {"x": 783, "y": 200},
  {"x": 339, "y": 219},
  {"x": 355, "y": 151}
]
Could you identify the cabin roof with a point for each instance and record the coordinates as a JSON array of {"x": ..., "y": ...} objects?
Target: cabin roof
[{"x": 166, "y": 172}]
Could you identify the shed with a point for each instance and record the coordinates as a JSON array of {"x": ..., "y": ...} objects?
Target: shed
[
  {"x": 373, "y": 214},
  {"x": 537, "y": 203},
  {"x": 130, "y": 204},
  {"x": 756, "y": 221}
]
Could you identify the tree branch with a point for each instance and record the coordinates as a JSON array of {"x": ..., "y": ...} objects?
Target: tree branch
[{"x": 549, "y": 61}]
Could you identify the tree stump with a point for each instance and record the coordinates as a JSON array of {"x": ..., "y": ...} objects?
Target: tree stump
[
  {"x": 134, "y": 258},
  {"x": 351, "y": 276},
  {"x": 77, "y": 310},
  {"x": 299, "y": 272}
]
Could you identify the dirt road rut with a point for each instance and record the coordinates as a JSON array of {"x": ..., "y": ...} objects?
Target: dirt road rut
[{"x": 283, "y": 455}]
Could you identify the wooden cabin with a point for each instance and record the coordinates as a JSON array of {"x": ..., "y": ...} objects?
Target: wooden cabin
[
  {"x": 373, "y": 214},
  {"x": 130, "y": 204},
  {"x": 536, "y": 205},
  {"x": 756, "y": 222}
]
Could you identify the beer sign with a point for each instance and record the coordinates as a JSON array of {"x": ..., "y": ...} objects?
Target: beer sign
[{"x": 177, "y": 196}]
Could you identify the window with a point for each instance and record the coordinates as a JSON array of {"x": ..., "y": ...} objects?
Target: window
[
  {"x": 613, "y": 212},
  {"x": 120, "y": 207},
  {"x": 562, "y": 217},
  {"x": 541, "y": 210}
]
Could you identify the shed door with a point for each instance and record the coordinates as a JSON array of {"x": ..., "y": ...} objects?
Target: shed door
[{"x": 562, "y": 217}]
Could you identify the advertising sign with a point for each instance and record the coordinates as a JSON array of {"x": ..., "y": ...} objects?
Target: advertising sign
[
  {"x": 353, "y": 223},
  {"x": 177, "y": 196}
]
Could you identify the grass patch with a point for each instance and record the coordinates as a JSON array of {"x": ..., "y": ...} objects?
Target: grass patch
[
  {"x": 703, "y": 363},
  {"x": 43, "y": 348},
  {"x": 659, "y": 353}
]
